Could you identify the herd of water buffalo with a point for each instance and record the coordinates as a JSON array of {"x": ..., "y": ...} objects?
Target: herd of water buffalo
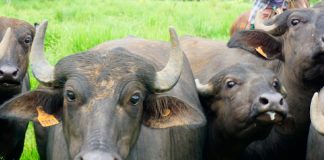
[{"x": 189, "y": 99}]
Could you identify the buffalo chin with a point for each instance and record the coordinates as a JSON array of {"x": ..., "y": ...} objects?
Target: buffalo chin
[{"x": 256, "y": 131}]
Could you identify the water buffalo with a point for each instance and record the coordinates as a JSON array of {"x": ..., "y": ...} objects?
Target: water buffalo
[
  {"x": 315, "y": 144},
  {"x": 116, "y": 104},
  {"x": 17, "y": 37},
  {"x": 295, "y": 39},
  {"x": 242, "y": 102}
]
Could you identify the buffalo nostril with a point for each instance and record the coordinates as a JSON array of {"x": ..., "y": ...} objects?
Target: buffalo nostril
[
  {"x": 322, "y": 38},
  {"x": 1, "y": 72},
  {"x": 263, "y": 100},
  {"x": 15, "y": 73},
  {"x": 281, "y": 101}
]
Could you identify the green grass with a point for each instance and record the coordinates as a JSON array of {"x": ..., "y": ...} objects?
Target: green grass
[{"x": 77, "y": 25}]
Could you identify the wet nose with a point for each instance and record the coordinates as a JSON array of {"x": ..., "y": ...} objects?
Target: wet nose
[
  {"x": 97, "y": 155},
  {"x": 8, "y": 72},
  {"x": 322, "y": 37},
  {"x": 271, "y": 101}
]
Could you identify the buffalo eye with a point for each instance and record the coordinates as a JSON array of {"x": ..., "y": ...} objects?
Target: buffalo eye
[
  {"x": 28, "y": 39},
  {"x": 135, "y": 99},
  {"x": 276, "y": 84},
  {"x": 230, "y": 84},
  {"x": 70, "y": 96},
  {"x": 294, "y": 22}
]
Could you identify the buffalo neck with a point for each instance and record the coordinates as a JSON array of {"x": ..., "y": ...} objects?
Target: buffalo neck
[
  {"x": 221, "y": 145},
  {"x": 298, "y": 98}
]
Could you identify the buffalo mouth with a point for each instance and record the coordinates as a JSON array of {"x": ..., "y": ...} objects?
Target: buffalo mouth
[
  {"x": 270, "y": 118},
  {"x": 9, "y": 84}
]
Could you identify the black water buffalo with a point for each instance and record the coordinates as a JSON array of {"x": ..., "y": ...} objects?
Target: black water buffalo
[
  {"x": 295, "y": 38},
  {"x": 242, "y": 102},
  {"x": 17, "y": 37},
  {"x": 116, "y": 104},
  {"x": 315, "y": 144}
]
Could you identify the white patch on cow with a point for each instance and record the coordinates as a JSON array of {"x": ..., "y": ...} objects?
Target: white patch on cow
[{"x": 271, "y": 114}]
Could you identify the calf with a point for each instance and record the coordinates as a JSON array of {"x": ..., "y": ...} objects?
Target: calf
[
  {"x": 242, "y": 104},
  {"x": 17, "y": 37},
  {"x": 242, "y": 101}
]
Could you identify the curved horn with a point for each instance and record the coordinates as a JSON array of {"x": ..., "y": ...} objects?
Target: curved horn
[
  {"x": 316, "y": 113},
  {"x": 41, "y": 69},
  {"x": 204, "y": 89},
  {"x": 5, "y": 42},
  {"x": 276, "y": 25},
  {"x": 170, "y": 74},
  {"x": 259, "y": 23}
]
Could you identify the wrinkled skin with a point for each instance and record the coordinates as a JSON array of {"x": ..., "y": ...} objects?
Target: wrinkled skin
[
  {"x": 297, "y": 42},
  {"x": 14, "y": 59},
  {"x": 109, "y": 111},
  {"x": 236, "y": 114},
  {"x": 241, "y": 23}
]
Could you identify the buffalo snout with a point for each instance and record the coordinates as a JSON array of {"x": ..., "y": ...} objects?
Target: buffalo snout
[
  {"x": 97, "y": 155},
  {"x": 269, "y": 108},
  {"x": 9, "y": 72}
]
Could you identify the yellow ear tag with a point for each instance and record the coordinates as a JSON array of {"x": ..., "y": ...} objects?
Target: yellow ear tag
[
  {"x": 260, "y": 51},
  {"x": 166, "y": 112},
  {"x": 46, "y": 119}
]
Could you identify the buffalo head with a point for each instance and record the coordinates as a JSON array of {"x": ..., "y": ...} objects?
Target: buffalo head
[
  {"x": 103, "y": 98},
  {"x": 297, "y": 38},
  {"x": 17, "y": 37},
  {"x": 244, "y": 100}
]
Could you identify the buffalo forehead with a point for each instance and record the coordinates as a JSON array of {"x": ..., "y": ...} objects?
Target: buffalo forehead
[
  {"x": 247, "y": 70},
  {"x": 19, "y": 26},
  {"x": 105, "y": 70}
]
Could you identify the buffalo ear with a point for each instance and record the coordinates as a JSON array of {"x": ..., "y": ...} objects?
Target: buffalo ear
[
  {"x": 253, "y": 40},
  {"x": 167, "y": 111},
  {"x": 24, "y": 106}
]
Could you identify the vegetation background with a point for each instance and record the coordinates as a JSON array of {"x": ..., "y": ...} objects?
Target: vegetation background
[{"x": 77, "y": 25}]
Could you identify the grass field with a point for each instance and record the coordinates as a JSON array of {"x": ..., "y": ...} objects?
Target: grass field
[{"x": 77, "y": 25}]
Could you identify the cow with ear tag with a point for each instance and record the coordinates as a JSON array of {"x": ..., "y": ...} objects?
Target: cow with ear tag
[
  {"x": 16, "y": 40},
  {"x": 294, "y": 43},
  {"x": 291, "y": 44},
  {"x": 115, "y": 102}
]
